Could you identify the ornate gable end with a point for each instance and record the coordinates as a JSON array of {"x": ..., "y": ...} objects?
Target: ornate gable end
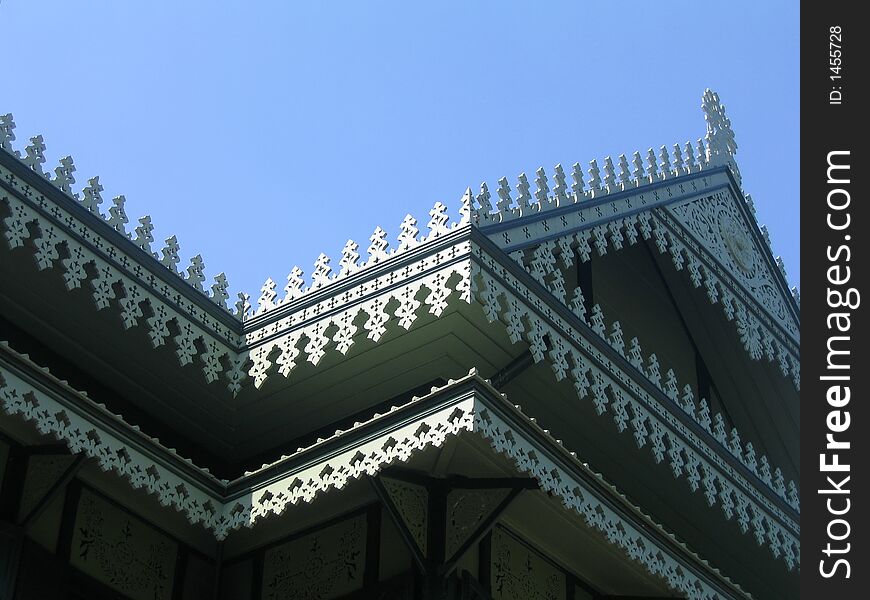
[{"x": 722, "y": 227}]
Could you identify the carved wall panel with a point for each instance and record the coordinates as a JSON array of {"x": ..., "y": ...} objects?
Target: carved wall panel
[
  {"x": 411, "y": 502},
  {"x": 121, "y": 551},
  {"x": 466, "y": 509},
  {"x": 43, "y": 470},
  {"x": 520, "y": 573},
  {"x": 325, "y": 564},
  {"x": 718, "y": 225}
]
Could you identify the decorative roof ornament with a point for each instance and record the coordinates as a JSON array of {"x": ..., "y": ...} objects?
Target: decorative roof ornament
[
  {"x": 438, "y": 223},
  {"x": 560, "y": 190},
  {"x": 504, "y": 195},
  {"x": 144, "y": 235},
  {"x": 170, "y": 254},
  {"x": 594, "y": 177},
  {"x": 35, "y": 155},
  {"x": 195, "y": 275},
  {"x": 378, "y": 248},
  {"x": 542, "y": 190},
  {"x": 679, "y": 166},
  {"x": 243, "y": 305},
  {"x": 7, "y": 135},
  {"x": 638, "y": 172},
  {"x": 267, "y": 296},
  {"x": 293, "y": 289},
  {"x": 624, "y": 172},
  {"x": 652, "y": 165},
  {"x": 117, "y": 215},
  {"x": 483, "y": 199},
  {"x": 63, "y": 176},
  {"x": 219, "y": 294},
  {"x": 349, "y": 258},
  {"x": 664, "y": 162},
  {"x": 322, "y": 274},
  {"x": 720, "y": 136},
  {"x": 466, "y": 207},
  {"x": 578, "y": 185},
  {"x": 524, "y": 196},
  {"x": 92, "y": 198},
  {"x": 408, "y": 233},
  {"x": 609, "y": 175}
]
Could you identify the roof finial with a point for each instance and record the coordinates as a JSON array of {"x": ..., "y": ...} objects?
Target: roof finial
[
  {"x": 720, "y": 136},
  {"x": 7, "y": 136}
]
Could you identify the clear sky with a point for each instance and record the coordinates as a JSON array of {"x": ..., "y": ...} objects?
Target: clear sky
[{"x": 262, "y": 134}]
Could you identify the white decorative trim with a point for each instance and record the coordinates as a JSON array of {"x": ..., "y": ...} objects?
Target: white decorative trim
[
  {"x": 467, "y": 414},
  {"x": 394, "y": 298},
  {"x": 111, "y": 451},
  {"x": 527, "y": 317},
  {"x": 115, "y": 277}
]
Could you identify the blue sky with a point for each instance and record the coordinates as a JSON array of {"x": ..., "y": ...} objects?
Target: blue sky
[{"x": 262, "y": 134}]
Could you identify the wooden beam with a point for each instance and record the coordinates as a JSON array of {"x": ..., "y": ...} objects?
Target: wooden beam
[
  {"x": 399, "y": 522},
  {"x": 53, "y": 491},
  {"x": 484, "y": 528}
]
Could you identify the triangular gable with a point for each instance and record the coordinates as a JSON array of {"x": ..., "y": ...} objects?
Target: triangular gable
[{"x": 729, "y": 235}]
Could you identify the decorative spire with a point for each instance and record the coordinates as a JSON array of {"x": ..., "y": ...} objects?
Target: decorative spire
[
  {"x": 720, "y": 136},
  {"x": 322, "y": 274},
  {"x": 117, "y": 215},
  {"x": 267, "y": 296},
  {"x": 524, "y": 198},
  {"x": 634, "y": 355},
  {"x": 690, "y": 156},
  {"x": 293, "y": 289},
  {"x": 637, "y": 173},
  {"x": 665, "y": 162},
  {"x": 483, "y": 199},
  {"x": 578, "y": 186},
  {"x": 63, "y": 176},
  {"x": 349, "y": 258},
  {"x": 504, "y": 195},
  {"x": 616, "y": 340},
  {"x": 542, "y": 190},
  {"x": 652, "y": 165},
  {"x": 408, "y": 233},
  {"x": 378, "y": 248},
  {"x": 219, "y": 294},
  {"x": 438, "y": 223},
  {"x": 35, "y": 154},
  {"x": 170, "y": 254},
  {"x": 609, "y": 174},
  {"x": 144, "y": 237},
  {"x": 7, "y": 136},
  {"x": 243, "y": 305},
  {"x": 466, "y": 205},
  {"x": 653, "y": 372},
  {"x": 92, "y": 198},
  {"x": 679, "y": 167},
  {"x": 624, "y": 172},
  {"x": 195, "y": 275},
  {"x": 594, "y": 176},
  {"x": 560, "y": 190}
]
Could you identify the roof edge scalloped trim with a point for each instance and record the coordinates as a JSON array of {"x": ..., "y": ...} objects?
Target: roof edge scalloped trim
[{"x": 600, "y": 505}]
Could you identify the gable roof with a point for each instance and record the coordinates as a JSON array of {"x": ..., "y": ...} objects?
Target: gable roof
[{"x": 499, "y": 264}]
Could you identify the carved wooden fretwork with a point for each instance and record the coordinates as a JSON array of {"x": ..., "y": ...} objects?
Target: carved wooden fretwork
[
  {"x": 614, "y": 390},
  {"x": 466, "y": 510},
  {"x": 43, "y": 472},
  {"x": 718, "y": 225},
  {"x": 411, "y": 503},
  {"x": 325, "y": 564},
  {"x": 466, "y": 413},
  {"x": 520, "y": 573},
  {"x": 122, "y": 552}
]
